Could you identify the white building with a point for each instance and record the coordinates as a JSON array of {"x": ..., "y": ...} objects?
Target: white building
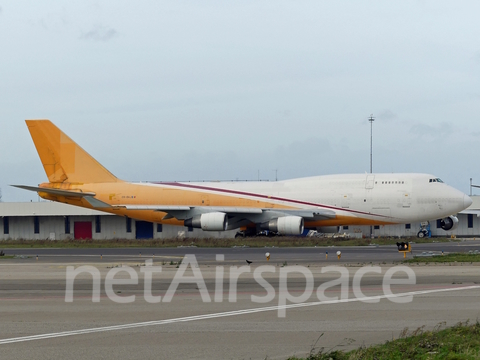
[{"x": 57, "y": 221}]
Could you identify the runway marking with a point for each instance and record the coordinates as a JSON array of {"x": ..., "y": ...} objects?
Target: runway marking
[{"x": 221, "y": 315}]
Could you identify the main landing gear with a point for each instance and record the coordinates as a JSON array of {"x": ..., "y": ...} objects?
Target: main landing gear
[{"x": 253, "y": 233}]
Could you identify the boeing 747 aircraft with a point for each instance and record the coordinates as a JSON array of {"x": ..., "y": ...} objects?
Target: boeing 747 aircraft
[{"x": 286, "y": 207}]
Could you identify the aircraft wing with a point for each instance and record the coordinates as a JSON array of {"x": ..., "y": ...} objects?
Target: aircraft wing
[
  {"x": 255, "y": 215},
  {"x": 172, "y": 208}
]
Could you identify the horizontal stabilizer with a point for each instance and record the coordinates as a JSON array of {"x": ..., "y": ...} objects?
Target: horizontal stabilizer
[
  {"x": 96, "y": 203},
  {"x": 89, "y": 196},
  {"x": 58, "y": 192}
]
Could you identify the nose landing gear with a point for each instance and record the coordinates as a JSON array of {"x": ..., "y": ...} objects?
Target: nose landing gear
[{"x": 424, "y": 230}]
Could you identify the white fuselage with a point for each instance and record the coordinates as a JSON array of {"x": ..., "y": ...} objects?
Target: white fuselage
[{"x": 400, "y": 198}]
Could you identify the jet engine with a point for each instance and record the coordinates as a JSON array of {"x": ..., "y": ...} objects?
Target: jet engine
[
  {"x": 287, "y": 225},
  {"x": 449, "y": 223},
  {"x": 214, "y": 221}
]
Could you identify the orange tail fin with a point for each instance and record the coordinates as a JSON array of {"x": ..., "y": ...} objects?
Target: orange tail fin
[{"x": 62, "y": 159}]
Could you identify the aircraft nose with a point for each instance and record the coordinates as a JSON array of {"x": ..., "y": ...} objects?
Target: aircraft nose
[{"x": 467, "y": 201}]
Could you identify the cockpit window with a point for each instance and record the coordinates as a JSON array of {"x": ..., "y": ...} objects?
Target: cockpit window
[{"x": 436, "y": 180}]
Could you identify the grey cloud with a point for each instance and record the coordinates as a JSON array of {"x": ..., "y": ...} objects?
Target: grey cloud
[
  {"x": 100, "y": 33},
  {"x": 387, "y": 115},
  {"x": 476, "y": 56},
  {"x": 441, "y": 129},
  {"x": 211, "y": 85}
]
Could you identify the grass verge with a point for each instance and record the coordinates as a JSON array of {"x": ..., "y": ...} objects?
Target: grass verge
[
  {"x": 460, "y": 342},
  {"x": 455, "y": 257},
  {"x": 279, "y": 241}
]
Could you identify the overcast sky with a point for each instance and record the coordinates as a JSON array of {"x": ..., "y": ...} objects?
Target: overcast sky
[{"x": 221, "y": 90}]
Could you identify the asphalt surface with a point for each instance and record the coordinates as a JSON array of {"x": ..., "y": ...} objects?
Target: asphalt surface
[
  {"x": 313, "y": 255},
  {"x": 33, "y": 293}
]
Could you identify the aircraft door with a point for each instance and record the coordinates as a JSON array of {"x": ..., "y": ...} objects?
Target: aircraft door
[
  {"x": 407, "y": 200},
  {"x": 369, "y": 183},
  {"x": 345, "y": 202}
]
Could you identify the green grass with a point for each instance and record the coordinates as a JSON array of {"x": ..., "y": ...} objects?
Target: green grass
[
  {"x": 279, "y": 241},
  {"x": 460, "y": 342},
  {"x": 455, "y": 257},
  {"x": 5, "y": 257}
]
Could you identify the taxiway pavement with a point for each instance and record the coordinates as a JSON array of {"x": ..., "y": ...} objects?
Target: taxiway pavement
[{"x": 32, "y": 300}]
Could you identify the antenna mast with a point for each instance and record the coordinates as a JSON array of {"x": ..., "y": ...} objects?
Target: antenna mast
[{"x": 371, "y": 119}]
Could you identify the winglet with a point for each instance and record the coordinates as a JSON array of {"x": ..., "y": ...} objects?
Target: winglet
[{"x": 62, "y": 159}]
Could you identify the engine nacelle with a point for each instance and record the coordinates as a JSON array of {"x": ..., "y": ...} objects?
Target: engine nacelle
[
  {"x": 214, "y": 221},
  {"x": 287, "y": 225},
  {"x": 449, "y": 223}
]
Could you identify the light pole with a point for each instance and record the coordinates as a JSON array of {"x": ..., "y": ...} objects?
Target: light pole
[{"x": 371, "y": 119}]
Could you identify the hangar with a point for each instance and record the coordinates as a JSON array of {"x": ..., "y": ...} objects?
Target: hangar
[{"x": 57, "y": 221}]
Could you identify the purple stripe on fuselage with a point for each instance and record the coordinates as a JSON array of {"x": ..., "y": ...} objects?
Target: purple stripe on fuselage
[{"x": 236, "y": 192}]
